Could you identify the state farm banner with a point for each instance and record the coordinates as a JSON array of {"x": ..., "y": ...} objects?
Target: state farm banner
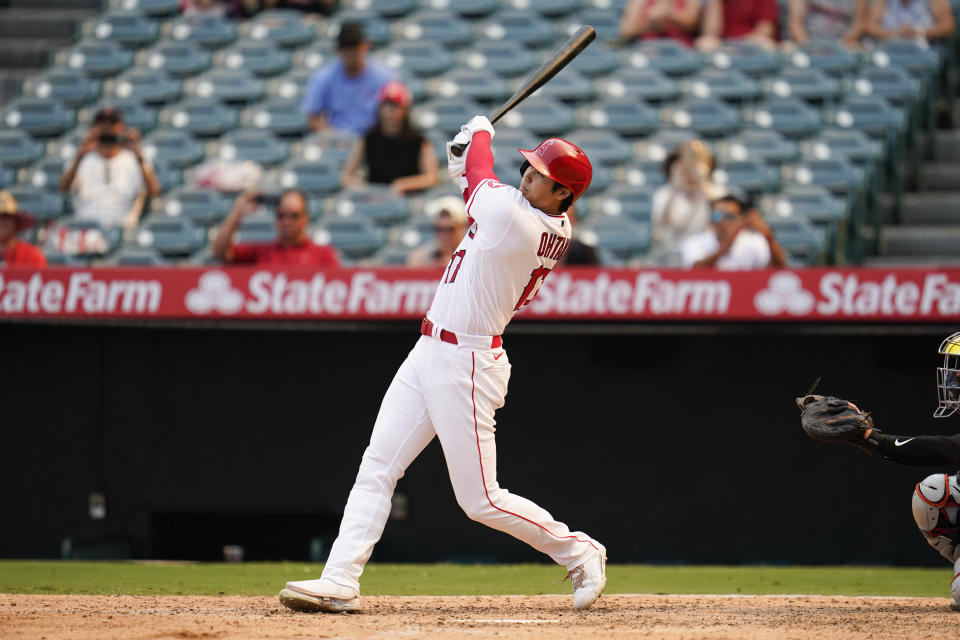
[{"x": 866, "y": 295}]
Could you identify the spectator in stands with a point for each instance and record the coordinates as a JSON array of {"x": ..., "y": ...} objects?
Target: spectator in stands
[
  {"x": 393, "y": 151},
  {"x": 738, "y": 239},
  {"x": 109, "y": 177},
  {"x": 681, "y": 207},
  {"x": 844, "y": 20},
  {"x": 649, "y": 19},
  {"x": 292, "y": 246},
  {"x": 344, "y": 93},
  {"x": 928, "y": 19},
  {"x": 14, "y": 252},
  {"x": 449, "y": 226},
  {"x": 223, "y": 8},
  {"x": 752, "y": 20}
]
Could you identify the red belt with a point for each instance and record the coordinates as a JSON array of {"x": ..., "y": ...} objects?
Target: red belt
[{"x": 426, "y": 328}]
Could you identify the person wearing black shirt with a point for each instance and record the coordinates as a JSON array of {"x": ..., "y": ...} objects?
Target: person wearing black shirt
[{"x": 393, "y": 151}]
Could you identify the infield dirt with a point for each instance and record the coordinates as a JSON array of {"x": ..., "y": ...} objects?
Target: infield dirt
[{"x": 45, "y": 617}]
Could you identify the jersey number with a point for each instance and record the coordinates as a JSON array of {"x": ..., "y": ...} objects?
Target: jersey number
[
  {"x": 458, "y": 257},
  {"x": 537, "y": 276}
]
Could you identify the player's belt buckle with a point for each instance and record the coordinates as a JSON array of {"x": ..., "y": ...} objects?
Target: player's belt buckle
[{"x": 427, "y": 327}]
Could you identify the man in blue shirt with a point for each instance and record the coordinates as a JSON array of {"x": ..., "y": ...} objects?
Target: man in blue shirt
[{"x": 344, "y": 94}]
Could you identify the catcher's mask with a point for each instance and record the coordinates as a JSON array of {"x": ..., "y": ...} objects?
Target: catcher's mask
[{"x": 948, "y": 378}]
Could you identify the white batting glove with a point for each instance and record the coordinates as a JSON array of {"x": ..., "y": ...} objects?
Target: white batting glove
[
  {"x": 457, "y": 165},
  {"x": 477, "y": 123}
]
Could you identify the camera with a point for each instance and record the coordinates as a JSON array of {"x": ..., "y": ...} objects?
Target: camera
[{"x": 111, "y": 138}]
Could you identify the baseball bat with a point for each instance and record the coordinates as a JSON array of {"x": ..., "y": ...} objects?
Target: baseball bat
[{"x": 560, "y": 58}]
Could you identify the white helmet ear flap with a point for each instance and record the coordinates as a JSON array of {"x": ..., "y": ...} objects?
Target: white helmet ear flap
[{"x": 930, "y": 494}]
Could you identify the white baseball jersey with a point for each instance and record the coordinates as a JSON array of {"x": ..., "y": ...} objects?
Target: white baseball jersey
[{"x": 500, "y": 263}]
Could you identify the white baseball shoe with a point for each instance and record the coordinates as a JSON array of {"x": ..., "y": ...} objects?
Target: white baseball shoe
[
  {"x": 589, "y": 579},
  {"x": 320, "y": 595}
]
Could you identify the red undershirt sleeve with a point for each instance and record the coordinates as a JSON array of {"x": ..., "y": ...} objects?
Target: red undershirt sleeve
[{"x": 479, "y": 166}]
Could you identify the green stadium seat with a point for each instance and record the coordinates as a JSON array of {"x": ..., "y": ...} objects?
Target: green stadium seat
[
  {"x": 596, "y": 60},
  {"x": 282, "y": 27},
  {"x": 657, "y": 147},
  {"x": 896, "y": 85},
  {"x": 136, "y": 115},
  {"x": 503, "y": 58},
  {"x": 765, "y": 145},
  {"x": 18, "y": 148},
  {"x": 546, "y": 8},
  {"x": 290, "y": 86},
  {"x": 568, "y": 86},
  {"x": 852, "y": 144},
  {"x": 260, "y": 227},
  {"x": 838, "y": 175},
  {"x": 169, "y": 176},
  {"x": 136, "y": 257},
  {"x": 8, "y": 176},
  {"x": 465, "y": 8},
  {"x": 814, "y": 203},
  {"x": 255, "y": 145},
  {"x": 874, "y": 116},
  {"x": 315, "y": 178},
  {"x": 58, "y": 259},
  {"x": 626, "y": 116},
  {"x": 44, "y": 173},
  {"x": 152, "y": 8},
  {"x": 280, "y": 116},
  {"x": 709, "y": 118},
  {"x": 617, "y": 239},
  {"x": 176, "y": 59},
  {"x": 811, "y": 85},
  {"x": 68, "y": 87},
  {"x": 444, "y": 27},
  {"x": 421, "y": 58},
  {"x": 829, "y": 56},
  {"x": 625, "y": 201},
  {"x": 208, "y": 31},
  {"x": 94, "y": 59},
  {"x": 752, "y": 59},
  {"x": 376, "y": 29},
  {"x": 602, "y": 146},
  {"x": 386, "y": 8},
  {"x": 43, "y": 203},
  {"x": 147, "y": 85},
  {"x": 202, "y": 117},
  {"x": 542, "y": 116},
  {"x": 131, "y": 29},
  {"x": 328, "y": 146},
  {"x": 172, "y": 147},
  {"x": 373, "y": 202},
  {"x": 649, "y": 85},
  {"x": 751, "y": 176},
  {"x": 804, "y": 243},
  {"x": 507, "y": 141},
  {"x": 729, "y": 85},
  {"x": 202, "y": 207},
  {"x": 354, "y": 238},
  {"x": 38, "y": 116},
  {"x": 915, "y": 56},
  {"x": 316, "y": 55},
  {"x": 525, "y": 27},
  {"x": 237, "y": 86},
  {"x": 171, "y": 237},
  {"x": 791, "y": 117},
  {"x": 446, "y": 114},
  {"x": 262, "y": 58},
  {"x": 664, "y": 55},
  {"x": 481, "y": 86},
  {"x": 606, "y": 21}
]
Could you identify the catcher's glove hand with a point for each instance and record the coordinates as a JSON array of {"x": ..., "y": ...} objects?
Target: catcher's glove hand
[{"x": 830, "y": 419}]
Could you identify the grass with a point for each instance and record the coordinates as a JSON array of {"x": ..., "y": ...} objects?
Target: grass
[{"x": 265, "y": 579}]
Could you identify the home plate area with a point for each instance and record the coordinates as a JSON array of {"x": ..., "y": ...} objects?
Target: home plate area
[{"x": 534, "y": 617}]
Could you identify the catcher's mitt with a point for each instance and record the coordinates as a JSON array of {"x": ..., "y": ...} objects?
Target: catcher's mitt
[{"x": 830, "y": 419}]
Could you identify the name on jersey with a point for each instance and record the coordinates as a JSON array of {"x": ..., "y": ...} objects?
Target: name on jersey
[{"x": 552, "y": 246}]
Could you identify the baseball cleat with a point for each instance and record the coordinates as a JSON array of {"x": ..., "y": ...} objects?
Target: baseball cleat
[
  {"x": 589, "y": 579},
  {"x": 955, "y": 605},
  {"x": 319, "y": 595}
]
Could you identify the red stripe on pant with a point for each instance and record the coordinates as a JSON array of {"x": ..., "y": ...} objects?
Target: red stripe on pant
[{"x": 476, "y": 430}]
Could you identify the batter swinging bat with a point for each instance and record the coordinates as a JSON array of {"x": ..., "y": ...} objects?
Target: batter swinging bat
[{"x": 560, "y": 58}]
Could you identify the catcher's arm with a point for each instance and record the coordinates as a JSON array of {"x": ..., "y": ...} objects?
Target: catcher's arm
[{"x": 913, "y": 451}]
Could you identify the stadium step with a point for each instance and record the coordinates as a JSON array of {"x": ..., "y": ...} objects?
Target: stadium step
[
  {"x": 38, "y": 23},
  {"x": 946, "y": 145},
  {"x": 931, "y": 207},
  {"x": 924, "y": 240},
  {"x": 896, "y": 262},
  {"x": 938, "y": 176},
  {"x": 93, "y": 6},
  {"x": 28, "y": 53}
]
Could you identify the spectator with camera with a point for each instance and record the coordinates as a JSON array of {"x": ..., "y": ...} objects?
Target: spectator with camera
[
  {"x": 738, "y": 239},
  {"x": 344, "y": 94},
  {"x": 109, "y": 177},
  {"x": 292, "y": 246},
  {"x": 14, "y": 252}
]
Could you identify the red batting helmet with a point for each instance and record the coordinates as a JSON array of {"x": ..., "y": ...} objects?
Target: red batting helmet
[{"x": 563, "y": 162}]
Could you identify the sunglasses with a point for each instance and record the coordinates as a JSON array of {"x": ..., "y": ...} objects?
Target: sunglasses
[
  {"x": 720, "y": 216},
  {"x": 293, "y": 215},
  {"x": 439, "y": 229}
]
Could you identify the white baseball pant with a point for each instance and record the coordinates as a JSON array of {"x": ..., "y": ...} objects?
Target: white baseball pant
[{"x": 450, "y": 391}]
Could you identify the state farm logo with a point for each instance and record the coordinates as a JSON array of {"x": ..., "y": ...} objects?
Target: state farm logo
[
  {"x": 784, "y": 292},
  {"x": 214, "y": 292}
]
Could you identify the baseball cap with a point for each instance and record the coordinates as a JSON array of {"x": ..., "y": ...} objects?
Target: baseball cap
[
  {"x": 395, "y": 92},
  {"x": 8, "y": 207},
  {"x": 351, "y": 34}
]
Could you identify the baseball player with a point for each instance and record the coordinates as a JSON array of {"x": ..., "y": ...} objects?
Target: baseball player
[
  {"x": 455, "y": 378},
  {"x": 936, "y": 499}
]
